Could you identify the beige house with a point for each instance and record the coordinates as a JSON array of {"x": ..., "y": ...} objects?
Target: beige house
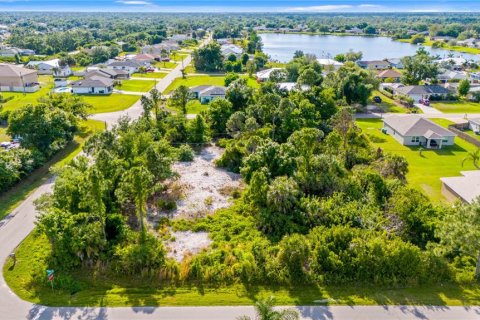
[
  {"x": 18, "y": 79},
  {"x": 465, "y": 187}
]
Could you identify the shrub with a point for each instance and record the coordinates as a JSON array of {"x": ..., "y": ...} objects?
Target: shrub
[{"x": 185, "y": 153}]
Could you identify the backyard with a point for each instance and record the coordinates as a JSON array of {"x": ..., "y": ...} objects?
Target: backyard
[
  {"x": 152, "y": 75},
  {"x": 136, "y": 85},
  {"x": 21, "y": 99},
  {"x": 110, "y": 103},
  {"x": 166, "y": 64},
  {"x": 457, "y": 107},
  {"x": 426, "y": 167},
  {"x": 200, "y": 80}
]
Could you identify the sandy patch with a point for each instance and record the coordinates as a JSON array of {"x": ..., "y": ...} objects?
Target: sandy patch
[{"x": 187, "y": 242}]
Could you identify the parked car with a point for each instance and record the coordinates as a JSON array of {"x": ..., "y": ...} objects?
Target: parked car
[
  {"x": 425, "y": 102},
  {"x": 377, "y": 99}
]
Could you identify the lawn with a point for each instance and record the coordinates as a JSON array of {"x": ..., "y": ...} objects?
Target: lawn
[
  {"x": 3, "y": 134},
  {"x": 136, "y": 85},
  {"x": 212, "y": 80},
  {"x": 166, "y": 64},
  {"x": 110, "y": 103},
  {"x": 99, "y": 290},
  {"x": 21, "y": 99},
  {"x": 426, "y": 169},
  {"x": 388, "y": 104},
  {"x": 428, "y": 42},
  {"x": 457, "y": 107},
  {"x": 153, "y": 75},
  {"x": 469, "y": 132},
  {"x": 12, "y": 198}
]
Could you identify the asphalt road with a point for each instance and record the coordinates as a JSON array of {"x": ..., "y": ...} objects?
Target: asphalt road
[{"x": 16, "y": 226}]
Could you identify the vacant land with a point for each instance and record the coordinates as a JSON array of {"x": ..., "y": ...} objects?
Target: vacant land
[
  {"x": 200, "y": 80},
  {"x": 166, "y": 64},
  {"x": 152, "y": 75},
  {"x": 99, "y": 290},
  {"x": 136, "y": 85},
  {"x": 457, "y": 107},
  {"x": 110, "y": 103},
  {"x": 12, "y": 198},
  {"x": 425, "y": 168}
]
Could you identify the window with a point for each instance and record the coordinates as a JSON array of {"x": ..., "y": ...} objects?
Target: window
[
  {"x": 445, "y": 140},
  {"x": 415, "y": 139}
]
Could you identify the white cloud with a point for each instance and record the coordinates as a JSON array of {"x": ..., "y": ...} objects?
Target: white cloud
[
  {"x": 322, "y": 8},
  {"x": 370, "y": 6},
  {"x": 134, "y": 2}
]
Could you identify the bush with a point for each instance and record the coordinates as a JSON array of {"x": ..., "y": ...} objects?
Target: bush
[{"x": 185, "y": 153}]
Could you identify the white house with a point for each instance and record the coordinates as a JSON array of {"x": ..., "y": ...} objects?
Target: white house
[
  {"x": 456, "y": 63},
  {"x": 264, "y": 75},
  {"x": 17, "y": 78},
  {"x": 167, "y": 46},
  {"x": 51, "y": 67},
  {"x": 465, "y": 187},
  {"x": 329, "y": 64},
  {"x": 229, "y": 49},
  {"x": 108, "y": 73},
  {"x": 289, "y": 86},
  {"x": 452, "y": 75},
  {"x": 421, "y": 92},
  {"x": 93, "y": 85},
  {"x": 414, "y": 130},
  {"x": 474, "y": 125},
  {"x": 374, "y": 64},
  {"x": 131, "y": 66},
  {"x": 207, "y": 93}
]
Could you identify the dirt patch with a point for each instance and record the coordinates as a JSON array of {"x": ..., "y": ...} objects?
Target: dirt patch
[
  {"x": 187, "y": 242},
  {"x": 204, "y": 186}
]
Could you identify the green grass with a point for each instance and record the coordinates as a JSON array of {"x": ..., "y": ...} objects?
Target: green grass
[
  {"x": 428, "y": 42},
  {"x": 12, "y": 198},
  {"x": 469, "y": 132},
  {"x": 110, "y": 103},
  {"x": 136, "y": 85},
  {"x": 212, "y": 80},
  {"x": 388, "y": 104},
  {"x": 153, "y": 75},
  {"x": 443, "y": 122},
  {"x": 166, "y": 64},
  {"x": 100, "y": 290},
  {"x": 457, "y": 107},
  {"x": 3, "y": 134},
  {"x": 21, "y": 99},
  {"x": 425, "y": 170}
]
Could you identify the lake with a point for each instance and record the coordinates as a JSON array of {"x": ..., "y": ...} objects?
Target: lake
[{"x": 281, "y": 46}]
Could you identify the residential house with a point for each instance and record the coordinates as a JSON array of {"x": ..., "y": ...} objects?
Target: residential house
[
  {"x": 414, "y": 130},
  {"x": 147, "y": 57},
  {"x": 471, "y": 43},
  {"x": 475, "y": 77},
  {"x": 108, "y": 73},
  {"x": 289, "y": 86},
  {"x": 264, "y": 75},
  {"x": 452, "y": 76},
  {"x": 465, "y": 187},
  {"x": 374, "y": 64},
  {"x": 165, "y": 46},
  {"x": 422, "y": 92},
  {"x": 396, "y": 63},
  {"x": 130, "y": 66},
  {"x": 329, "y": 64},
  {"x": 51, "y": 67},
  {"x": 389, "y": 74},
  {"x": 442, "y": 38},
  {"x": 17, "y": 78},
  {"x": 229, "y": 49},
  {"x": 11, "y": 52},
  {"x": 457, "y": 63},
  {"x": 180, "y": 37},
  {"x": 354, "y": 30},
  {"x": 93, "y": 85},
  {"x": 474, "y": 125},
  {"x": 207, "y": 93}
]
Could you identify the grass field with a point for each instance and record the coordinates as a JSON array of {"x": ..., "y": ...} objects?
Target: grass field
[
  {"x": 457, "y": 107},
  {"x": 110, "y": 103},
  {"x": 21, "y": 99},
  {"x": 166, "y": 65},
  {"x": 469, "y": 132},
  {"x": 425, "y": 170},
  {"x": 3, "y": 134},
  {"x": 12, "y": 198},
  {"x": 212, "y": 80},
  {"x": 136, "y": 85},
  {"x": 153, "y": 75},
  {"x": 98, "y": 290},
  {"x": 388, "y": 104}
]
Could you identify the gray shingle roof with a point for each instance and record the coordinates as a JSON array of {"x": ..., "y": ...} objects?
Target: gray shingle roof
[
  {"x": 209, "y": 90},
  {"x": 433, "y": 89},
  {"x": 414, "y": 125},
  {"x": 10, "y": 70},
  {"x": 93, "y": 82}
]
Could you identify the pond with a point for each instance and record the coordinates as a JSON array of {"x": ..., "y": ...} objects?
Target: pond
[{"x": 281, "y": 46}]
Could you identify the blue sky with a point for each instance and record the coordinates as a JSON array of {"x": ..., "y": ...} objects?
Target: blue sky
[{"x": 308, "y": 6}]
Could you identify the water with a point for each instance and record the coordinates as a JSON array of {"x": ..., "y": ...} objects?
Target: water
[{"x": 281, "y": 46}]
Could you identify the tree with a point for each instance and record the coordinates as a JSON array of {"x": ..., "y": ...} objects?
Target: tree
[
  {"x": 180, "y": 98},
  {"x": 265, "y": 311},
  {"x": 218, "y": 113},
  {"x": 474, "y": 157},
  {"x": 418, "y": 38},
  {"x": 239, "y": 94},
  {"x": 230, "y": 77},
  {"x": 419, "y": 68},
  {"x": 353, "y": 56},
  {"x": 251, "y": 67},
  {"x": 309, "y": 77},
  {"x": 208, "y": 58},
  {"x": 198, "y": 130},
  {"x": 463, "y": 87},
  {"x": 460, "y": 230}
]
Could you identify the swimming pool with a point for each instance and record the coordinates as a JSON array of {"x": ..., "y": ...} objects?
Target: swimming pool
[{"x": 62, "y": 90}]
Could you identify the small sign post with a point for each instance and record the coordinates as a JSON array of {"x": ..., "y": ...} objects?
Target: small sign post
[{"x": 51, "y": 276}]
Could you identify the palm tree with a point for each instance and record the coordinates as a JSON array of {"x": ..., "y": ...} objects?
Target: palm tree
[
  {"x": 265, "y": 311},
  {"x": 473, "y": 156}
]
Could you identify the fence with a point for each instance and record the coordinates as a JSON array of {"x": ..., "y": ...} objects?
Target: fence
[{"x": 457, "y": 129}]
